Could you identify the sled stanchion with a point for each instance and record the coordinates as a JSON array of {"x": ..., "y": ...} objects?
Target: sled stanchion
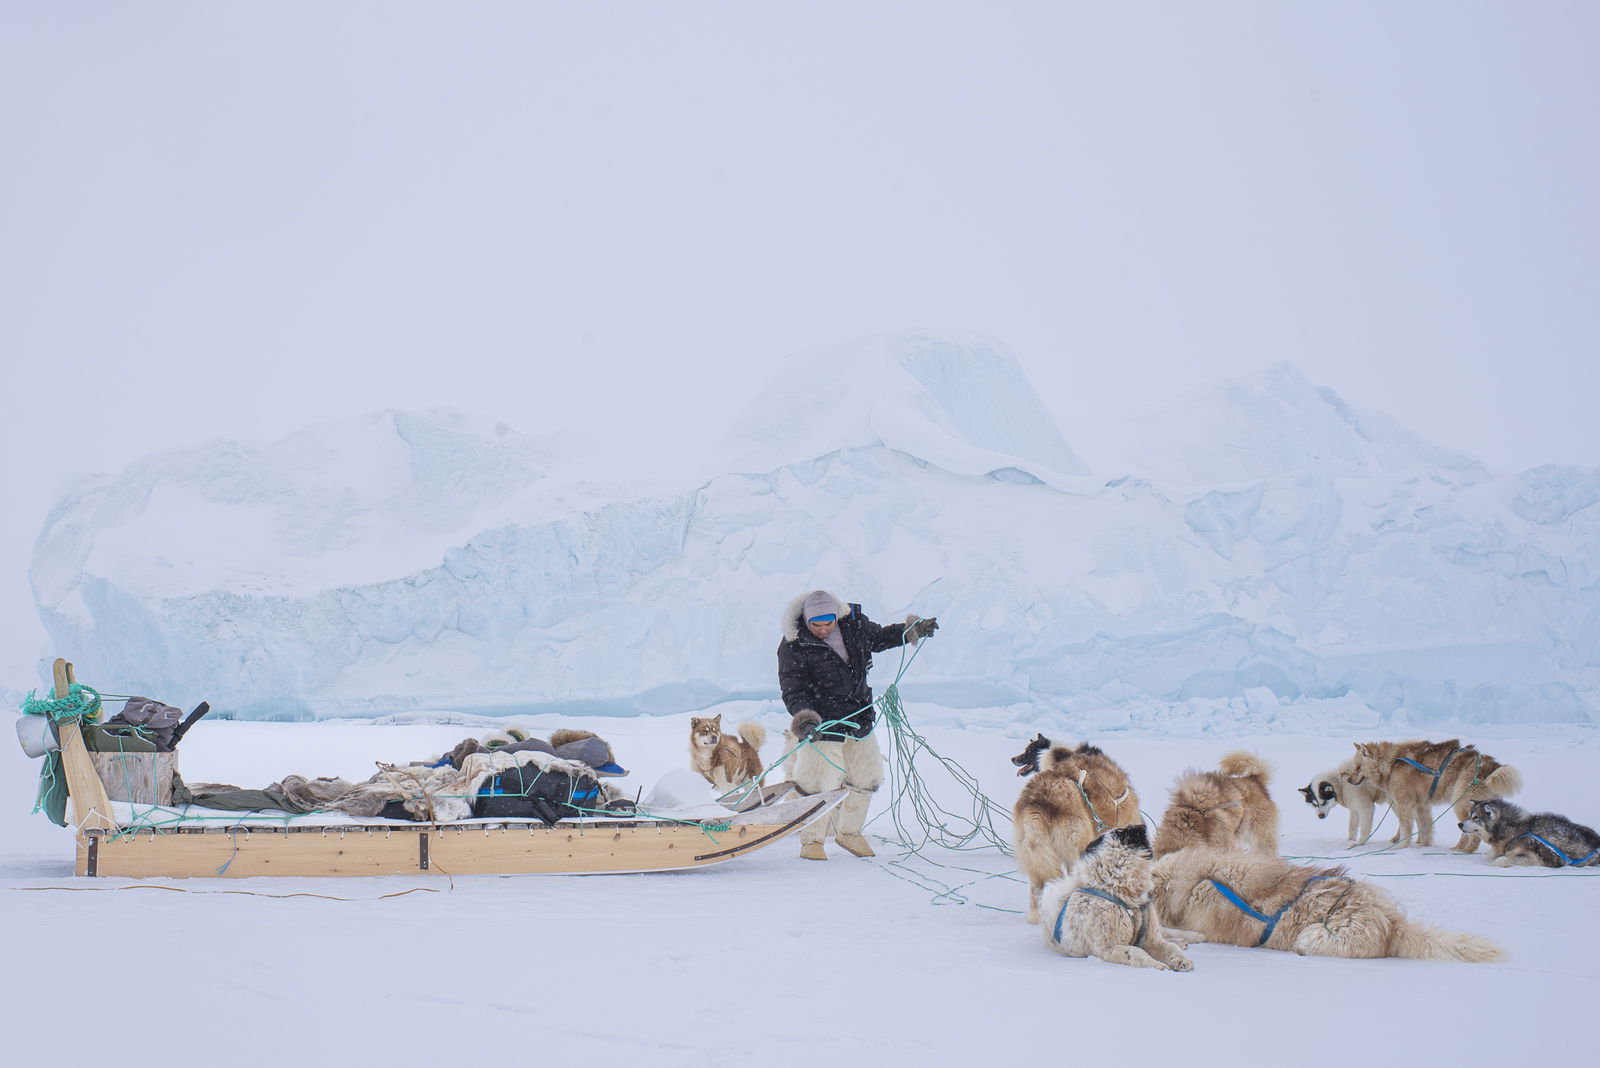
[{"x": 91, "y": 808}]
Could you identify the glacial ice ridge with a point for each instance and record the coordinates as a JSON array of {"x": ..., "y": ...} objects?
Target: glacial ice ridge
[{"x": 1283, "y": 547}]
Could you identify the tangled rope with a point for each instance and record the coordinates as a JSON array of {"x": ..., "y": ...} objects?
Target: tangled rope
[
  {"x": 921, "y": 824},
  {"x": 82, "y": 702}
]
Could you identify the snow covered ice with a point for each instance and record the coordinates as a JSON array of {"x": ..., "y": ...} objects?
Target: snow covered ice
[
  {"x": 910, "y": 959},
  {"x": 1272, "y": 544}
]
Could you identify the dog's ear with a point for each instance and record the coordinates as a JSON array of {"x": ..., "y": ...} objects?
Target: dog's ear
[{"x": 1310, "y": 794}]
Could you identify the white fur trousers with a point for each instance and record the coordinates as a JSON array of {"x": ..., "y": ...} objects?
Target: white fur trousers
[{"x": 856, "y": 763}]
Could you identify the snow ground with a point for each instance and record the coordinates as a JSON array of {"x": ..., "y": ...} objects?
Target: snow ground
[{"x": 766, "y": 959}]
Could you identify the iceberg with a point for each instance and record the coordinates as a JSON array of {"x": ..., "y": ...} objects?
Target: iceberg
[{"x": 1280, "y": 545}]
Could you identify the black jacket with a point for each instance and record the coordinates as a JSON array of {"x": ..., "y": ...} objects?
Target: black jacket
[{"x": 811, "y": 675}]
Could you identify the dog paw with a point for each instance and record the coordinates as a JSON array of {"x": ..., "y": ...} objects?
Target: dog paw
[
  {"x": 1502, "y": 862},
  {"x": 1181, "y": 964}
]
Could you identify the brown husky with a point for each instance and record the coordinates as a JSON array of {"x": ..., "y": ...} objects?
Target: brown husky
[
  {"x": 1418, "y": 775},
  {"x": 1246, "y": 899},
  {"x": 1078, "y": 795},
  {"x": 725, "y": 760},
  {"x": 1227, "y": 808}
]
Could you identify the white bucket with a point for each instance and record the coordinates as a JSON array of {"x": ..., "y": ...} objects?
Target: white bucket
[{"x": 36, "y": 736}]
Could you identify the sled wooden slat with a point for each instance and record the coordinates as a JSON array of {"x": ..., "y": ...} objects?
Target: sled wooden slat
[{"x": 256, "y": 852}]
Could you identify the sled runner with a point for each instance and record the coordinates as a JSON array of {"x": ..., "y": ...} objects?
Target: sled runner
[{"x": 113, "y": 841}]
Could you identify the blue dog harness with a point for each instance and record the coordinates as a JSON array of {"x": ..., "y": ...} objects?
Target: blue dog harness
[
  {"x": 1139, "y": 916},
  {"x": 1568, "y": 861},
  {"x": 1429, "y": 771},
  {"x": 1271, "y": 921}
]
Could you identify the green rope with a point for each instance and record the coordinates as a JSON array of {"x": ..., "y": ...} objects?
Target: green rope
[
  {"x": 918, "y": 818},
  {"x": 921, "y": 824},
  {"x": 60, "y": 709}
]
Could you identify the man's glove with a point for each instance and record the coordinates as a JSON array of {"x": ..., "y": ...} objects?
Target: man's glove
[
  {"x": 804, "y": 723},
  {"x": 920, "y": 629}
]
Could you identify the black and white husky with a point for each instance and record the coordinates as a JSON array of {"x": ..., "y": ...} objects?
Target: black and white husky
[
  {"x": 1335, "y": 788},
  {"x": 1530, "y": 838}
]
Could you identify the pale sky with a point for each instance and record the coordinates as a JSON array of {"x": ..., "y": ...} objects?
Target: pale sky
[{"x": 235, "y": 219}]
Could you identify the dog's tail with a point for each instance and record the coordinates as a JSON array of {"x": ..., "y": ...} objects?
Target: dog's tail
[
  {"x": 754, "y": 733},
  {"x": 1240, "y": 764},
  {"x": 1501, "y": 782},
  {"x": 1419, "y": 941}
]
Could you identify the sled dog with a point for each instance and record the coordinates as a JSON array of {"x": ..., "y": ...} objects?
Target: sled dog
[
  {"x": 1227, "y": 808},
  {"x": 726, "y": 760},
  {"x": 1417, "y": 775},
  {"x": 1101, "y": 907},
  {"x": 1077, "y": 795},
  {"x": 1247, "y": 899},
  {"x": 1529, "y": 838},
  {"x": 1335, "y": 788}
]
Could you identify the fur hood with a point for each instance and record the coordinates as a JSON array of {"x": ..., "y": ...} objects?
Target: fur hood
[{"x": 791, "y": 614}]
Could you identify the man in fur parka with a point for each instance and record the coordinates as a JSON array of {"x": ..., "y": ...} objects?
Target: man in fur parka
[{"x": 823, "y": 661}]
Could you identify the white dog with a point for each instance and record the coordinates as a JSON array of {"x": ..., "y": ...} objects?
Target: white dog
[{"x": 1101, "y": 907}]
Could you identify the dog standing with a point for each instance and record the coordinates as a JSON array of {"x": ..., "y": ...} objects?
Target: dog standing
[
  {"x": 1246, "y": 899},
  {"x": 1101, "y": 907},
  {"x": 1335, "y": 788},
  {"x": 1077, "y": 795},
  {"x": 726, "y": 760},
  {"x": 1226, "y": 808},
  {"x": 1418, "y": 775},
  {"x": 1519, "y": 837}
]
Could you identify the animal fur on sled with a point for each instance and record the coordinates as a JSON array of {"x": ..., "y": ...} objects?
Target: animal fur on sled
[
  {"x": 726, "y": 760},
  {"x": 1329, "y": 913},
  {"x": 437, "y": 795},
  {"x": 1077, "y": 795},
  {"x": 1226, "y": 808},
  {"x": 1465, "y": 775},
  {"x": 1079, "y": 922},
  {"x": 1531, "y": 838}
]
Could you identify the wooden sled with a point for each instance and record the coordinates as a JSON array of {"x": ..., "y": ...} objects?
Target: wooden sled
[{"x": 240, "y": 848}]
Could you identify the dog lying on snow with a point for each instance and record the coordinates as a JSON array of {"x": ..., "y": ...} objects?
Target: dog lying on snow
[
  {"x": 1518, "y": 837},
  {"x": 1224, "y": 808},
  {"x": 1077, "y": 795},
  {"x": 1101, "y": 907},
  {"x": 1335, "y": 788},
  {"x": 1418, "y": 775},
  {"x": 1246, "y": 899}
]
